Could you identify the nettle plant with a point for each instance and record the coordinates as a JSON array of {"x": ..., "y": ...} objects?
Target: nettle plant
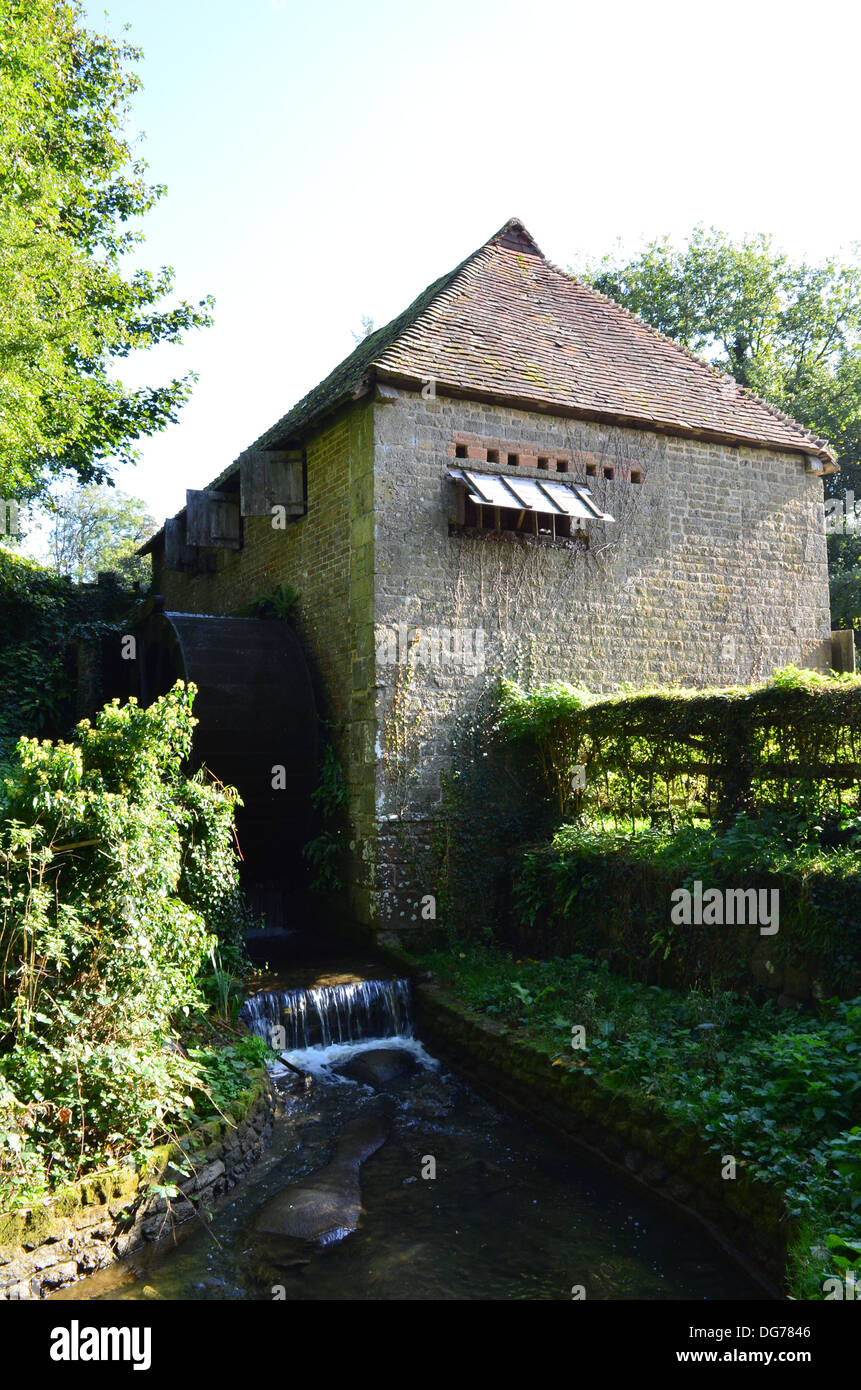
[
  {"x": 330, "y": 797},
  {"x": 114, "y": 867}
]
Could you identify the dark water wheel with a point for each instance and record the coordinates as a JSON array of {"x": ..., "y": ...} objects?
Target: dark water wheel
[{"x": 256, "y": 731}]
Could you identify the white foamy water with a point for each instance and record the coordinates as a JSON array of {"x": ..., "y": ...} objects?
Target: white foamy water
[
  {"x": 321, "y": 1061},
  {"x": 302, "y": 1018}
]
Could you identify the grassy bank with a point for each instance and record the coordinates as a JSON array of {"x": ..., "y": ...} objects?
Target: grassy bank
[{"x": 606, "y": 891}]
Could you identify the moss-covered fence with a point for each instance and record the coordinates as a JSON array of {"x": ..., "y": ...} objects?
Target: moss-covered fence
[{"x": 793, "y": 745}]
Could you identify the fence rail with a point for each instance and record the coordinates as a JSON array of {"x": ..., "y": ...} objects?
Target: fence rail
[{"x": 793, "y": 744}]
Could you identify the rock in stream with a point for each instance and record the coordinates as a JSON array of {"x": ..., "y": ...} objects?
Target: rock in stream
[{"x": 325, "y": 1206}]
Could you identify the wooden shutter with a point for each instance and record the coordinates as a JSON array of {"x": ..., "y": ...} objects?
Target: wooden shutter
[
  {"x": 270, "y": 478},
  {"x": 178, "y": 554},
  {"x": 212, "y": 519}
]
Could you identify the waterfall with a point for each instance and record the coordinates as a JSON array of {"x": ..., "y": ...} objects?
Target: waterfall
[{"x": 330, "y": 1014}]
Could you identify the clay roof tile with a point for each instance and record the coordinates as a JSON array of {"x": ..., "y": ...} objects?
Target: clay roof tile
[{"x": 507, "y": 324}]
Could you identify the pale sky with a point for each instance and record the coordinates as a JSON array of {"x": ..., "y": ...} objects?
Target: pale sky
[{"x": 326, "y": 161}]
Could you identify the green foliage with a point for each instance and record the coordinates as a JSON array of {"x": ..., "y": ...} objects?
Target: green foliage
[
  {"x": 283, "y": 602},
  {"x": 844, "y": 576},
  {"x": 491, "y": 801},
  {"x": 225, "y": 1069},
  {"x": 71, "y": 188},
  {"x": 536, "y": 713},
  {"x": 114, "y": 868},
  {"x": 528, "y": 999},
  {"x": 792, "y": 744},
  {"x": 41, "y": 616},
  {"x": 791, "y": 332},
  {"x": 223, "y": 988},
  {"x": 543, "y": 715},
  {"x": 325, "y": 852},
  {"x": 605, "y": 891},
  {"x": 845, "y": 1152},
  {"x": 777, "y": 1090},
  {"x": 330, "y": 795}
]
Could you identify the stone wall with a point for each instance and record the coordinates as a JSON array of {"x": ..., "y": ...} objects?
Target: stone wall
[
  {"x": 713, "y": 572},
  {"x": 104, "y": 1218}
]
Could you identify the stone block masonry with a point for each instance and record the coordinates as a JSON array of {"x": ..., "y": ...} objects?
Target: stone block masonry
[
  {"x": 430, "y": 647},
  {"x": 107, "y": 1217},
  {"x": 713, "y": 572}
]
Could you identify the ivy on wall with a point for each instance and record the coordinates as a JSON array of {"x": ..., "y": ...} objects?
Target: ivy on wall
[{"x": 325, "y": 851}]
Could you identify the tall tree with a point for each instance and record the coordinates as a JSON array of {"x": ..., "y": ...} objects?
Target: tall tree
[
  {"x": 98, "y": 528},
  {"x": 790, "y": 331},
  {"x": 70, "y": 190}
]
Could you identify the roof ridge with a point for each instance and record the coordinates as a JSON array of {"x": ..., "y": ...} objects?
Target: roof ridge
[{"x": 820, "y": 442}]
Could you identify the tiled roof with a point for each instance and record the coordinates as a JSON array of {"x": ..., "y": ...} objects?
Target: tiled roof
[
  {"x": 508, "y": 325},
  {"x": 349, "y": 375}
]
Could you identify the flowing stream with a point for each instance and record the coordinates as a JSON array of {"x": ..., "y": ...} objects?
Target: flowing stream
[{"x": 461, "y": 1201}]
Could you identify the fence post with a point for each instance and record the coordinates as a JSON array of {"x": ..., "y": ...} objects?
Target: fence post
[{"x": 735, "y": 735}]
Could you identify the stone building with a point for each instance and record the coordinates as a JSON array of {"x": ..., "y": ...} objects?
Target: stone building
[{"x": 515, "y": 475}]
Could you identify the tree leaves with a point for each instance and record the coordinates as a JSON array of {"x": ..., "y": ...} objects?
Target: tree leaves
[
  {"x": 790, "y": 332},
  {"x": 67, "y": 312},
  {"x": 98, "y": 528}
]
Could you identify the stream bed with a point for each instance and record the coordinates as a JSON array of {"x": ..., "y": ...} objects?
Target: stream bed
[{"x": 462, "y": 1201}]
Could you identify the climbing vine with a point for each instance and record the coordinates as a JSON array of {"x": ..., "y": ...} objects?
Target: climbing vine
[
  {"x": 791, "y": 744},
  {"x": 403, "y": 730},
  {"x": 325, "y": 851}
]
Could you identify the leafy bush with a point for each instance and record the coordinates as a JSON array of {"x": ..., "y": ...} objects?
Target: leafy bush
[
  {"x": 607, "y": 892},
  {"x": 114, "y": 867},
  {"x": 546, "y": 716},
  {"x": 792, "y": 744},
  {"x": 226, "y": 1070}
]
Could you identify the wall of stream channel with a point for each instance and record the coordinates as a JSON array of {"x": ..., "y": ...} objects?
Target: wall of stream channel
[
  {"x": 507, "y": 1211},
  {"x": 100, "y": 1220},
  {"x": 390, "y": 1177}
]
